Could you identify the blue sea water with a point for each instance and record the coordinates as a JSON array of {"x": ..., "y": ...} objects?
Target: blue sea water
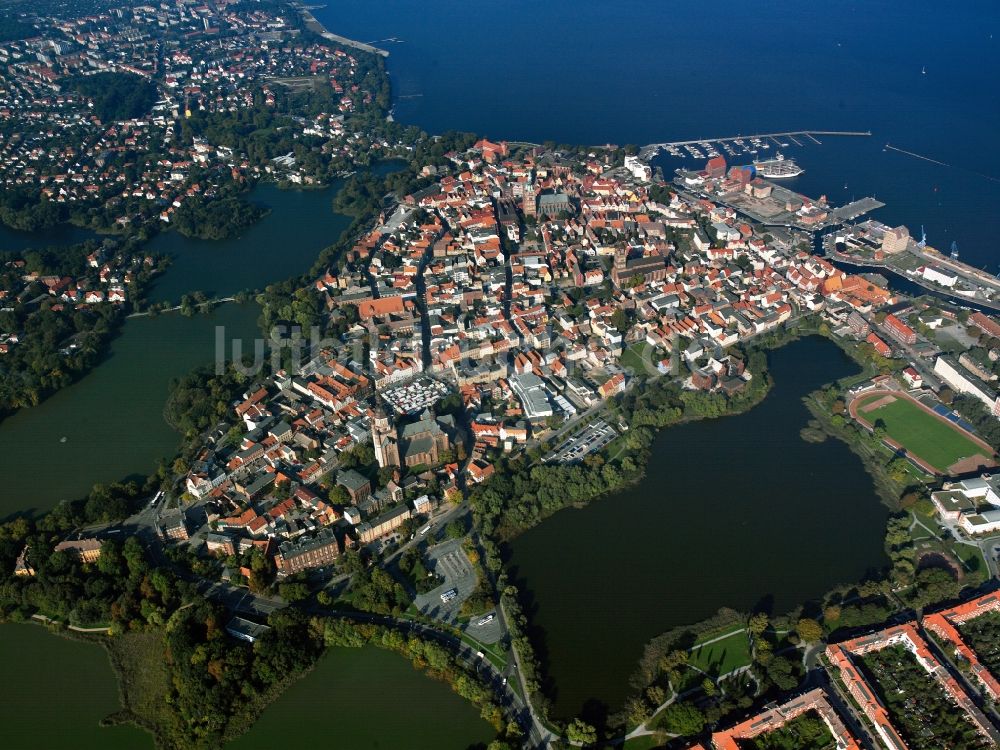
[{"x": 631, "y": 71}]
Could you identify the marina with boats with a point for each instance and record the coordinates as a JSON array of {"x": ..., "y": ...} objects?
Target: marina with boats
[{"x": 737, "y": 145}]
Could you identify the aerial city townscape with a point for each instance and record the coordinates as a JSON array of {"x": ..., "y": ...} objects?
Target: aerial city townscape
[{"x": 324, "y": 427}]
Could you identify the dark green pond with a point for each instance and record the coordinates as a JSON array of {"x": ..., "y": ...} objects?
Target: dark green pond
[
  {"x": 54, "y": 693},
  {"x": 363, "y": 699},
  {"x": 736, "y": 512},
  {"x": 109, "y": 425},
  {"x": 58, "y": 236},
  {"x": 284, "y": 243}
]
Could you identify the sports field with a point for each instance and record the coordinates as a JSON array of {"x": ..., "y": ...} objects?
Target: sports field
[{"x": 924, "y": 435}]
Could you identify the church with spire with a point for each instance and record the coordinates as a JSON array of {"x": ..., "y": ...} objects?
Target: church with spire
[{"x": 418, "y": 443}]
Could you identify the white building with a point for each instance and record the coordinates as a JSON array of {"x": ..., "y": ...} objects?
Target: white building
[
  {"x": 939, "y": 276},
  {"x": 530, "y": 390},
  {"x": 966, "y": 383},
  {"x": 639, "y": 170},
  {"x": 974, "y": 504}
]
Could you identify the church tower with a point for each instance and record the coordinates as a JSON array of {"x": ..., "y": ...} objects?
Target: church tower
[
  {"x": 529, "y": 203},
  {"x": 620, "y": 265},
  {"x": 384, "y": 439}
]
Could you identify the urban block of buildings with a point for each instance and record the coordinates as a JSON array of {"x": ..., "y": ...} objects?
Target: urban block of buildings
[{"x": 842, "y": 658}]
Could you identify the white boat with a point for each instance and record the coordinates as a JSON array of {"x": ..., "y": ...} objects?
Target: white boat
[{"x": 778, "y": 168}]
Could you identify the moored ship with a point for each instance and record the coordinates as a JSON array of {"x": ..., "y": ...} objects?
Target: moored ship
[{"x": 778, "y": 168}]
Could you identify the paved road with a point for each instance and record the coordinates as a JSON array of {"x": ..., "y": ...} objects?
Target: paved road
[
  {"x": 242, "y": 601},
  {"x": 539, "y": 735}
]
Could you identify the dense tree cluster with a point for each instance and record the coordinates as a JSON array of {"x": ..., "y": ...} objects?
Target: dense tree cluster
[
  {"x": 219, "y": 684},
  {"x": 201, "y": 399},
  {"x": 38, "y": 366},
  {"x": 13, "y": 28},
  {"x": 288, "y": 303},
  {"x": 121, "y": 588},
  {"x": 26, "y": 210},
  {"x": 215, "y": 218},
  {"x": 373, "y": 589},
  {"x": 980, "y": 418},
  {"x": 421, "y": 580},
  {"x": 116, "y": 96}
]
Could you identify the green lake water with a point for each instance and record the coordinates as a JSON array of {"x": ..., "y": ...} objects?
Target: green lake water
[
  {"x": 284, "y": 243},
  {"x": 367, "y": 699},
  {"x": 54, "y": 693},
  {"x": 737, "y": 511},
  {"x": 58, "y": 236},
  {"x": 109, "y": 425}
]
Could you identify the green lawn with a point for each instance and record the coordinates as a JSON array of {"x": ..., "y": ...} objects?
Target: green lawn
[
  {"x": 923, "y": 435},
  {"x": 634, "y": 358},
  {"x": 645, "y": 742},
  {"x": 722, "y": 656},
  {"x": 971, "y": 557}
]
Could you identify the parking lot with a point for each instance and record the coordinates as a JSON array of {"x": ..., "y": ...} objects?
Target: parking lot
[
  {"x": 449, "y": 561},
  {"x": 487, "y": 633},
  {"x": 589, "y": 440}
]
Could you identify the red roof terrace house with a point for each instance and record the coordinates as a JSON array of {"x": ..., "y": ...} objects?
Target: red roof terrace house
[
  {"x": 880, "y": 346},
  {"x": 945, "y": 625},
  {"x": 899, "y": 330},
  {"x": 775, "y": 718},
  {"x": 842, "y": 658}
]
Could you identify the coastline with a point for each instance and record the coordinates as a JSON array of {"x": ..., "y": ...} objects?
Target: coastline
[{"x": 315, "y": 26}]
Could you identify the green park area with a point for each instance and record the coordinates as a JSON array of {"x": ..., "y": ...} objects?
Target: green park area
[
  {"x": 637, "y": 358},
  {"x": 923, "y": 435},
  {"x": 644, "y": 742},
  {"x": 722, "y": 656}
]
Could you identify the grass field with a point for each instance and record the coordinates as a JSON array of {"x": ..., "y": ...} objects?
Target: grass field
[
  {"x": 646, "y": 742},
  {"x": 923, "y": 435},
  {"x": 722, "y": 656},
  {"x": 634, "y": 357},
  {"x": 971, "y": 557},
  {"x": 138, "y": 659}
]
